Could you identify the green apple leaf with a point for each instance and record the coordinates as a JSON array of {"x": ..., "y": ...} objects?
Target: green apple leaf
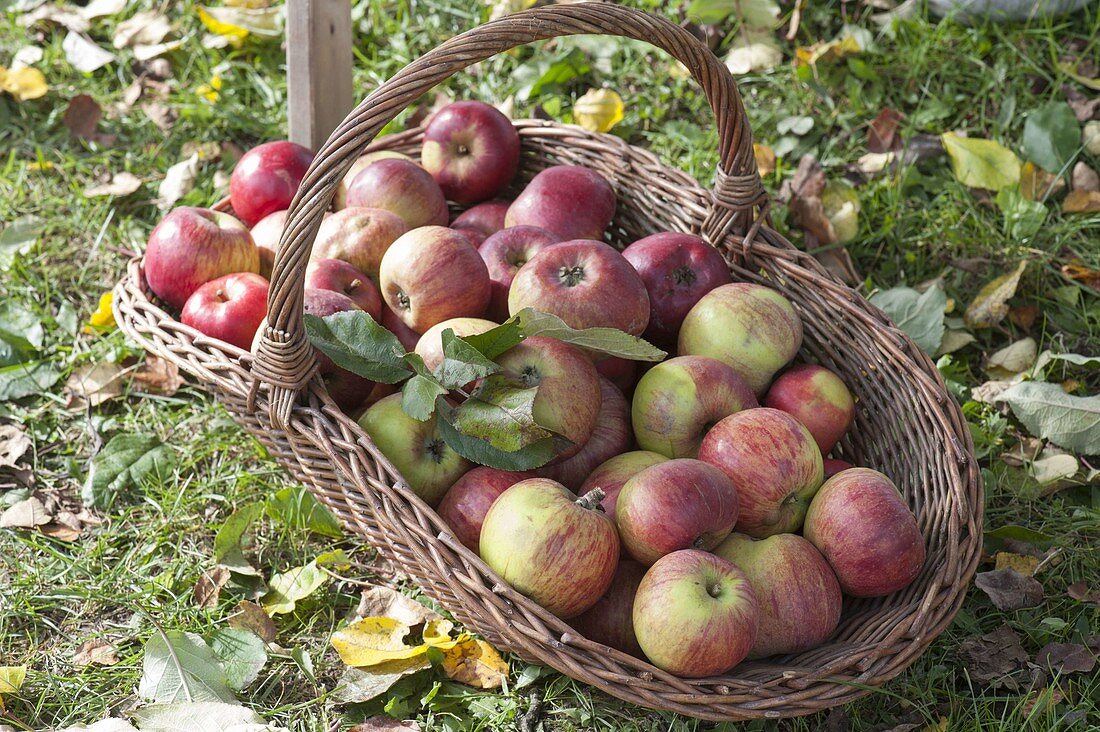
[
  {"x": 227, "y": 542},
  {"x": 180, "y": 667},
  {"x": 481, "y": 451},
  {"x": 1051, "y": 136},
  {"x": 496, "y": 341},
  {"x": 296, "y": 507},
  {"x": 462, "y": 362},
  {"x": 501, "y": 411},
  {"x": 23, "y": 379},
  {"x": 122, "y": 465},
  {"x": 608, "y": 341},
  {"x": 291, "y": 586},
  {"x": 354, "y": 341},
  {"x": 919, "y": 314},
  {"x": 242, "y": 654},
  {"x": 1048, "y": 412},
  {"x": 420, "y": 392}
]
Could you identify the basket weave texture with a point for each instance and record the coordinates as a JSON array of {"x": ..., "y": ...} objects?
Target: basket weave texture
[{"x": 906, "y": 425}]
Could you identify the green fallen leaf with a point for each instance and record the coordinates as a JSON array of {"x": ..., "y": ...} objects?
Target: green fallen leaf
[
  {"x": 354, "y": 341},
  {"x": 296, "y": 507},
  {"x": 206, "y": 716},
  {"x": 304, "y": 662},
  {"x": 607, "y": 341},
  {"x": 227, "y": 542},
  {"x": 122, "y": 465},
  {"x": 288, "y": 588},
  {"x": 981, "y": 163},
  {"x": 482, "y": 452},
  {"x": 21, "y": 334},
  {"x": 363, "y": 684},
  {"x": 1048, "y": 412},
  {"x": 990, "y": 305},
  {"x": 1023, "y": 217},
  {"x": 419, "y": 394},
  {"x": 462, "y": 362},
  {"x": 24, "y": 379},
  {"x": 242, "y": 654},
  {"x": 751, "y": 13},
  {"x": 181, "y": 667},
  {"x": 1046, "y": 357},
  {"x": 919, "y": 314},
  {"x": 1051, "y": 136},
  {"x": 17, "y": 237}
]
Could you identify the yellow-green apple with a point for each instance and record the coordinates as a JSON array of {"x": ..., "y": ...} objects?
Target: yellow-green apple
[
  {"x": 359, "y": 236},
  {"x": 339, "y": 276},
  {"x": 340, "y": 199},
  {"x": 430, "y": 345},
  {"x": 432, "y": 274},
  {"x": 585, "y": 283},
  {"x": 695, "y": 614},
  {"x": 192, "y": 246},
  {"x": 416, "y": 449},
  {"x": 408, "y": 337},
  {"x": 833, "y": 466},
  {"x": 559, "y": 550},
  {"x": 817, "y": 398},
  {"x": 266, "y": 178},
  {"x": 485, "y": 218},
  {"x": 860, "y": 522},
  {"x": 568, "y": 398},
  {"x": 621, "y": 372},
  {"x": 472, "y": 151},
  {"x": 349, "y": 390},
  {"x": 572, "y": 201},
  {"x": 612, "y": 475},
  {"x": 751, "y": 327},
  {"x": 775, "y": 464},
  {"x": 266, "y": 235},
  {"x": 797, "y": 591},
  {"x": 611, "y": 620},
  {"x": 468, "y": 500},
  {"x": 505, "y": 252},
  {"x": 677, "y": 269},
  {"x": 676, "y": 504},
  {"x": 679, "y": 400},
  {"x": 403, "y": 187},
  {"x": 610, "y": 436},
  {"x": 230, "y": 308}
]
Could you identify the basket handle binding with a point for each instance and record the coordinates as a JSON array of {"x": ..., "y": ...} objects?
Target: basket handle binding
[{"x": 285, "y": 360}]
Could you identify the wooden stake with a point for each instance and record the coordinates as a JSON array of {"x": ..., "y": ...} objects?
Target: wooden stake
[{"x": 318, "y": 60}]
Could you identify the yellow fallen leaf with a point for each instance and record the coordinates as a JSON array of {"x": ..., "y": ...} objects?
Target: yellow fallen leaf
[
  {"x": 1022, "y": 563},
  {"x": 1036, "y": 184},
  {"x": 234, "y": 33},
  {"x": 23, "y": 84},
  {"x": 765, "y": 159},
  {"x": 103, "y": 319},
  {"x": 981, "y": 163},
  {"x": 990, "y": 305},
  {"x": 598, "y": 110},
  {"x": 1069, "y": 68},
  {"x": 237, "y": 23},
  {"x": 1081, "y": 202},
  {"x": 253, "y": 4},
  {"x": 375, "y": 640},
  {"x": 209, "y": 91},
  {"x": 11, "y": 678},
  {"x": 1079, "y": 272},
  {"x": 826, "y": 51},
  {"x": 475, "y": 663}
]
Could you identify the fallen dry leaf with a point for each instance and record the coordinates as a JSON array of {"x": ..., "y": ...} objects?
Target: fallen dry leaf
[
  {"x": 1036, "y": 184},
  {"x": 209, "y": 587},
  {"x": 61, "y": 532},
  {"x": 475, "y": 663},
  {"x": 991, "y": 303},
  {"x": 178, "y": 181},
  {"x": 882, "y": 134},
  {"x": 93, "y": 384},
  {"x": 1080, "y": 273},
  {"x": 1084, "y": 107},
  {"x": 84, "y": 54},
  {"x": 145, "y": 52},
  {"x": 121, "y": 184},
  {"x": 162, "y": 116},
  {"x": 159, "y": 375},
  {"x": 1081, "y": 202},
  {"x": 26, "y": 56},
  {"x": 363, "y": 684},
  {"x": 386, "y": 724},
  {"x": 872, "y": 163},
  {"x": 1024, "y": 316},
  {"x": 25, "y": 514},
  {"x": 147, "y": 27},
  {"x": 1081, "y": 592},
  {"x": 765, "y": 159},
  {"x": 1022, "y": 563},
  {"x": 1013, "y": 358},
  {"x": 807, "y": 212},
  {"x": 101, "y": 8},
  {"x": 14, "y": 444},
  {"x": 1066, "y": 658},
  {"x": 1010, "y": 590},
  {"x": 1041, "y": 698},
  {"x": 377, "y": 601},
  {"x": 252, "y": 617},
  {"x": 97, "y": 652},
  {"x": 66, "y": 16},
  {"x": 1084, "y": 178},
  {"x": 82, "y": 116},
  {"x": 995, "y": 658}
]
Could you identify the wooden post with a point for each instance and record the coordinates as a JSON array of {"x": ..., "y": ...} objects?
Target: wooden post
[{"x": 318, "y": 64}]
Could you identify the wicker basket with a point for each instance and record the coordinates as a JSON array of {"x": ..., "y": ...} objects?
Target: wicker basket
[{"x": 906, "y": 424}]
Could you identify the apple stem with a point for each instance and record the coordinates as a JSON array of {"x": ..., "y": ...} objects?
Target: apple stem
[
  {"x": 354, "y": 285},
  {"x": 591, "y": 499}
]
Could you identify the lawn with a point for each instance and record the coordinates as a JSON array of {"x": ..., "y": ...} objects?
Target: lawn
[{"x": 127, "y": 569}]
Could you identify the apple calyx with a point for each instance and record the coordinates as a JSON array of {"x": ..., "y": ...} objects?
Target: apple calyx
[
  {"x": 530, "y": 376},
  {"x": 683, "y": 275},
  {"x": 403, "y": 300},
  {"x": 571, "y": 276},
  {"x": 591, "y": 500},
  {"x": 435, "y": 449},
  {"x": 714, "y": 590}
]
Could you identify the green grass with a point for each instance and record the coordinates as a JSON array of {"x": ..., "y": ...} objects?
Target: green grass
[{"x": 141, "y": 564}]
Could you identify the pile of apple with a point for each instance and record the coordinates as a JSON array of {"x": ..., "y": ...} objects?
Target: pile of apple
[{"x": 693, "y": 516}]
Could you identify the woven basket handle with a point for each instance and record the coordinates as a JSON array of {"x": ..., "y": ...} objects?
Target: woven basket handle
[{"x": 285, "y": 359}]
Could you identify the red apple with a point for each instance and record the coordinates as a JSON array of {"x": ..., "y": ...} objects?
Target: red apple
[
  {"x": 266, "y": 178},
  {"x": 266, "y": 235},
  {"x": 340, "y": 199},
  {"x": 559, "y": 550},
  {"x": 468, "y": 500},
  {"x": 611, "y": 620},
  {"x": 797, "y": 591},
  {"x": 430, "y": 345},
  {"x": 817, "y": 398},
  {"x": 408, "y": 337},
  {"x": 192, "y": 246},
  {"x": 676, "y": 504},
  {"x": 621, "y": 372},
  {"x": 568, "y": 398},
  {"x": 612, "y": 475},
  {"x": 775, "y": 464},
  {"x": 505, "y": 252},
  {"x": 833, "y": 466},
  {"x": 569, "y": 200},
  {"x": 486, "y": 218},
  {"x": 695, "y": 614},
  {"x": 585, "y": 283},
  {"x": 230, "y": 308},
  {"x": 472, "y": 151},
  {"x": 610, "y": 437},
  {"x": 679, "y": 400},
  {"x": 432, "y": 274},
  {"x": 860, "y": 522},
  {"x": 349, "y": 390},
  {"x": 402, "y": 187},
  {"x": 359, "y": 236},
  {"x": 752, "y": 328},
  {"x": 339, "y": 276},
  {"x": 677, "y": 269}
]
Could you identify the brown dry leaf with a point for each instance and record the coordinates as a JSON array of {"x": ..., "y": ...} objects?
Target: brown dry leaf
[
  {"x": 159, "y": 375},
  {"x": 377, "y": 601},
  {"x": 807, "y": 212},
  {"x": 178, "y": 181},
  {"x": 386, "y": 724},
  {"x": 1023, "y": 317},
  {"x": 765, "y": 159},
  {"x": 1010, "y": 590},
  {"x": 995, "y": 658},
  {"x": 252, "y": 617},
  {"x": 60, "y": 532},
  {"x": 475, "y": 663},
  {"x": 145, "y": 28},
  {"x": 14, "y": 444},
  {"x": 1080, "y": 273},
  {"x": 1066, "y": 658},
  {"x": 1085, "y": 108},
  {"x": 82, "y": 115},
  {"x": 162, "y": 116},
  {"x": 1081, "y": 202},
  {"x": 1039, "y": 699},
  {"x": 26, "y": 514},
  {"x": 93, "y": 384},
  {"x": 65, "y": 16},
  {"x": 95, "y": 651},
  {"x": 1036, "y": 184},
  {"x": 121, "y": 184},
  {"x": 209, "y": 586},
  {"x": 991, "y": 303},
  {"x": 157, "y": 68},
  {"x": 84, "y": 55},
  {"x": 1081, "y": 592},
  {"x": 1012, "y": 359},
  {"x": 1084, "y": 178},
  {"x": 882, "y": 134},
  {"x": 1022, "y": 563}
]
